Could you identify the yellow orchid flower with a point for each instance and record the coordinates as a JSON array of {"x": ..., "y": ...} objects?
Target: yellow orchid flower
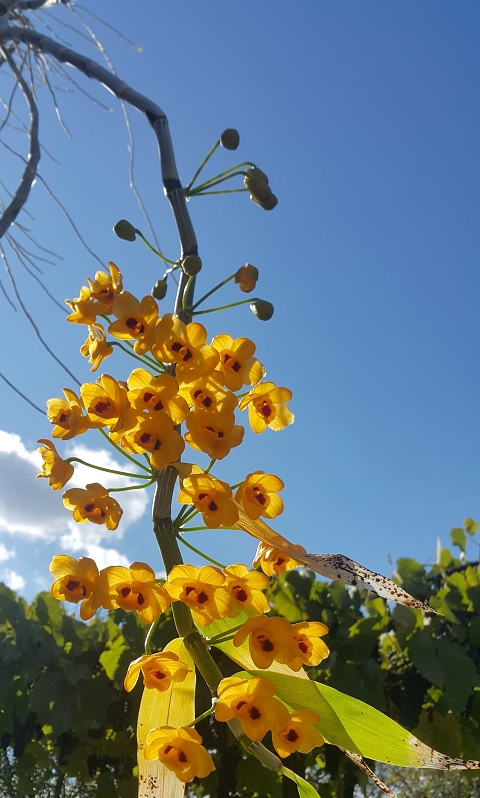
[
  {"x": 134, "y": 589},
  {"x": 269, "y": 639},
  {"x": 212, "y": 497},
  {"x": 258, "y": 495},
  {"x": 179, "y": 750},
  {"x": 214, "y": 434},
  {"x": 136, "y": 320},
  {"x": 75, "y": 580},
  {"x": 267, "y": 408},
  {"x": 106, "y": 402},
  {"x": 94, "y": 504},
  {"x": 245, "y": 588},
  {"x": 252, "y": 702},
  {"x": 96, "y": 347},
  {"x": 184, "y": 344},
  {"x": 157, "y": 436},
  {"x": 299, "y": 734},
  {"x": 57, "y": 471},
  {"x": 311, "y": 649},
  {"x": 156, "y": 394},
  {"x": 272, "y": 561},
  {"x": 158, "y": 670},
  {"x": 236, "y": 362},
  {"x": 67, "y": 416},
  {"x": 105, "y": 287},
  {"x": 201, "y": 589}
]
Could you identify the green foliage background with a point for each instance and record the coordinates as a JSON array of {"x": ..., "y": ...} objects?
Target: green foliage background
[{"x": 68, "y": 727}]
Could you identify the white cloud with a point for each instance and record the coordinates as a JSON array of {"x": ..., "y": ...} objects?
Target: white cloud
[
  {"x": 6, "y": 554},
  {"x": 12, "y": 580},
  {"x": 31, "y": 510}
]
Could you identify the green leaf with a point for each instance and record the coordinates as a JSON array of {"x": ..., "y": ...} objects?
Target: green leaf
[
  {"x": 305, "y": 790},
  {"x": 458, "y": 537},
  {"x": 470, "y": 525},
  {"x": 359, "y": 728}
]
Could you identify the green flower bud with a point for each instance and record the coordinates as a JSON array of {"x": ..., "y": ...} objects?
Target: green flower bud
[
  {"x": 259, "y": 190},
  {"x": 159, "y": 289},
  {"x": 268, "y": 204},
  {"x": 125, "y": 230},
  {"x": 257, "y": 174},
  {"x": 262, "y": 309},
  {"x": 246, "y": 277},
  {"x": 230, "y": 139},
  {"x": 191, "y": 265}
]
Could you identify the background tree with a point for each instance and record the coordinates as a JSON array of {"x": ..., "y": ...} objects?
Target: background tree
[{"x": 64, "y": 733}]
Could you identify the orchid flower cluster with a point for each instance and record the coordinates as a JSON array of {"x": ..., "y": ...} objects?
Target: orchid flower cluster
[
  {"x": 182, "y": 379},
  {"x": 185, "y": 392}
]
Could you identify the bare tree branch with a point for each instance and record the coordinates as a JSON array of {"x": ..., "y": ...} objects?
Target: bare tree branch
[{"x": 30, "y": 172}]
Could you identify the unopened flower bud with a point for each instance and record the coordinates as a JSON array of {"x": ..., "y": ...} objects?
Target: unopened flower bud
[
  {"x": 159, "y": 289},
  {"x": 262, "y": 309},
  {"x": 125, "y": 230},
  {"x": 259, "y": 190},
  {"x": 230, "y": 139},
  {"x": 268, "y": 204},
  {"x": 191, "y": 265},
  {"x": 257, "y": 174},
  {"x": 246, "y": 277}
]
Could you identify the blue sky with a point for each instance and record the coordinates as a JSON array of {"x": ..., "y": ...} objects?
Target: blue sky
[{"x": 365, "y": 117}]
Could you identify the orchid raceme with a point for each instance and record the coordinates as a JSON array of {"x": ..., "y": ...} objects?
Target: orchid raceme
[
  {"x": 253, "y": 703},
  {"x": 258, "y": 495},
  {"x": 93, "y": 503},
  {"x": 185, "y": 391},
  {"x": 269, "y": 639},
  {"x": 201, "y": 589},
  {"x": 267, "y": 408},
  {"x": 57, "y": 471},
  {"x": 75, "y": 581},
  {"x": 246, "y": 590},
  {"x": 67, "y": 416},
  {"x": 134, "y": 589},
  {"x": 299, "y": 734},
  {"x": 179, "y": 750},
  {"x": 159, "y": 671},
  {"x": 212, "y": 498}
]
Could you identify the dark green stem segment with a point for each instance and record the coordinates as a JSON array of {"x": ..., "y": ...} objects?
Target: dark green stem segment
[{"x": 169, "y": 549}]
